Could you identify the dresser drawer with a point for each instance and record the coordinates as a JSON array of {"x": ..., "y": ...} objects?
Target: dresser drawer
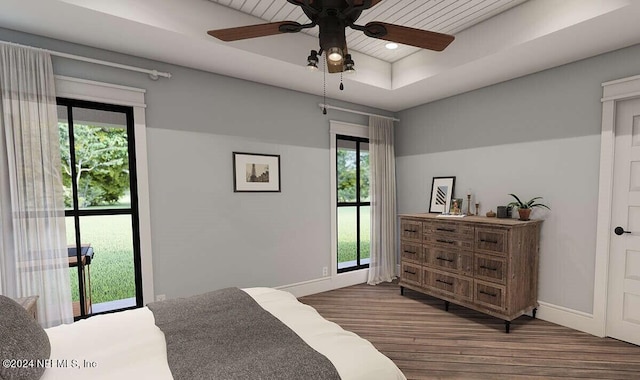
[
  {"x": 411, "y": 251},
  {"x": 411, "y": 230},
  {"x": 411, "y": 273},
  {"x": 449, "y": 234},
  {"x": 490, "y": 268},
  {"x": 493, "y": 240},
  {"x": 450, "y": 228},
  {"x": 449, "y": 259},
  {"x": 450, "y": 241},
  {"x": 447, "y": 283},
  {"x": 490, "y": 295}
]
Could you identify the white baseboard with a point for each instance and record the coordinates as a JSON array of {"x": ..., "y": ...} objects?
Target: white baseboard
[
  {"x": 324, "y": 284},
  {"x": 570, "y": 318}
]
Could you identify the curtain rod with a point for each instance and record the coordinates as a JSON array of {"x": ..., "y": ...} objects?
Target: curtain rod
[
  {"x": 354, "y": 111},
  {"x": 153, "y": 74}
]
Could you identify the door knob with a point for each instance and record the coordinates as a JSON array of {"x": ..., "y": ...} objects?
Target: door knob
[{"x": 619, "y": 231}]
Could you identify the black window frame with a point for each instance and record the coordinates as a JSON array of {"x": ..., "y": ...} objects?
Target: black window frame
[
  {"x": 76, "y": 212},
  {"x": 358, "y": 203}
]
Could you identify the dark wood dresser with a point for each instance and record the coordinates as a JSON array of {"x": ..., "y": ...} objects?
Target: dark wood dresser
[{"x": 486, "y": 264}]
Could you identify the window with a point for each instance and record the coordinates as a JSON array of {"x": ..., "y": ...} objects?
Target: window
[
  {"x": 101, "y": 205},
  {"x": 353, "y": 204}
]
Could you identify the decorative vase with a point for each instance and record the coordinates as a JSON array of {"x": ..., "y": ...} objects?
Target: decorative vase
[{"x": 524, "y": 213}]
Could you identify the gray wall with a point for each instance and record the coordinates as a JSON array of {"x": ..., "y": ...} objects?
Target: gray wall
[
  {"x": 534, "y": 136},
  {"x": 537, "y": 135},
  {"x": 205, "y": 236}
]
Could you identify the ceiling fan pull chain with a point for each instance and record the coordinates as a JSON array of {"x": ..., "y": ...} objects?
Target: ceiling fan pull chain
[
  {"x": 341, "y": 85},
  {"x": 324, "y": 88}
]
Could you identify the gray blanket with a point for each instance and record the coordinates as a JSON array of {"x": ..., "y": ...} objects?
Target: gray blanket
[{"x": 226, "y": 335}]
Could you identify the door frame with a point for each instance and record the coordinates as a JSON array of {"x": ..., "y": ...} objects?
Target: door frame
[{"x": 613, "y": 92}]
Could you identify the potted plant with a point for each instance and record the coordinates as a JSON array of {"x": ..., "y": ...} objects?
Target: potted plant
[{"x": 524, "y": 208}]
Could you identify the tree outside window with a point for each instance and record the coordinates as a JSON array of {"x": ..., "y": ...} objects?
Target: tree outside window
[{"x": 102, "y": 164}]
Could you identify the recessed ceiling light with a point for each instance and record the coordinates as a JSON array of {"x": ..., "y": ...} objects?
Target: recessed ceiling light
[{"x": 391, "y": 45}]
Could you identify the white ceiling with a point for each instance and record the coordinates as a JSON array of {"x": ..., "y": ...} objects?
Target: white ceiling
[{"x": 526, "y": 38}]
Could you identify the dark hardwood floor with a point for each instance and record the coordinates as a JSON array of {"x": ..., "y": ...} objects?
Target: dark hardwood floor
[{"x": 426, "y": 342}]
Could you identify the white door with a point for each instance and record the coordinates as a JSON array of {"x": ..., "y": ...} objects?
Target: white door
[{"x": 623, "y": 308}]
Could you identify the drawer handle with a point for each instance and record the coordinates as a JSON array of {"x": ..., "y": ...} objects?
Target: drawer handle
[
  {"x": 489, "y": 241},
  {"x": 488, "y": 268},
  {"x": 488, "y": 294},
  {"x": 410, "y": 252},
  {"x": 445, "y": 241},
  {"x": 444, "y": 259},
  {"x": 445, "y": 229},
  {"x": 410, "y": 272},
  {"x": 444, "y": 282},
  {"x": 406, "y": 230}
]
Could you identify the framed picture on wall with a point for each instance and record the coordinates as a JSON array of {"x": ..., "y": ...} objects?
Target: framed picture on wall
[
  {"x": 441, "y": 193},
  {"x": 254, "y": 172}
]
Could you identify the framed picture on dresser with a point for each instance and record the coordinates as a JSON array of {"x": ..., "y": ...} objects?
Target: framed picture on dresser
[{"x": 441, "y": 193}]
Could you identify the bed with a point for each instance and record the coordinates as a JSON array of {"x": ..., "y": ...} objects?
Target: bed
[{"x": 131, "y": 345}]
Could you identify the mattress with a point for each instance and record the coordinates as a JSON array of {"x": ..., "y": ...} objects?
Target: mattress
[{"x": 128, "y": 344}]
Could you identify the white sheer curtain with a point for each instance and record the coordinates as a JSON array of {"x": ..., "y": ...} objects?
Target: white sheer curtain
[
  {"x": 383, "y": 200},
  {"x": 33, "y": 248}
]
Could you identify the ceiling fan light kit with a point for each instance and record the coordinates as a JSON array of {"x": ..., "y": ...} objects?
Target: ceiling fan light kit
[
  {"x": 334, "y": 54},
  {"x": 332, "y": 17},
  {"x": 312, "y": 61},
  {"x": 349, "y": 65}
]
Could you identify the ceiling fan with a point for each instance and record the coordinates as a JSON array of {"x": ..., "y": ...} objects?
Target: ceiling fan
[{"x": 333, "y": 16}]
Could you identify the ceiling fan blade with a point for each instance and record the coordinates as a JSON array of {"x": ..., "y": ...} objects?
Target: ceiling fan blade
[
  {"x": 360, "y": 2},
  {"x": 409, "y": 36},
  {"x": 253, "y": 31}
]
